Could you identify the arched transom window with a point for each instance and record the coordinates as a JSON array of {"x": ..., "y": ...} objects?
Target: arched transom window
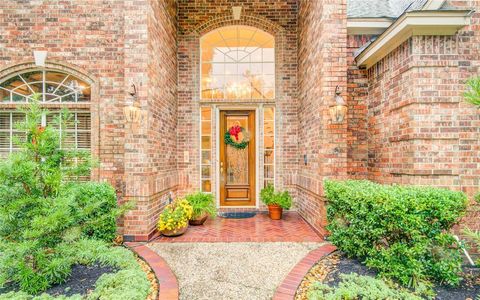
[
  {"x": 237, "y": 62},
  {"x": 55, "y": 87}
]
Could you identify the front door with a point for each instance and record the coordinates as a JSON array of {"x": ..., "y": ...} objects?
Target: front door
[{"x": 237, "y": 162}]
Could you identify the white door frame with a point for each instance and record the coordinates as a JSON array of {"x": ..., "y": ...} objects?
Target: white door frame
[{"x": 258, "y": 111}]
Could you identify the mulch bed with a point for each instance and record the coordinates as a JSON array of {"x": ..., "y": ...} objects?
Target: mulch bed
[
  {"x": 329, "y": 269},
  {"x": 81, "y": 281}
]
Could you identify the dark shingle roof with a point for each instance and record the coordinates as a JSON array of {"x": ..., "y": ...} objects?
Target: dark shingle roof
[{"x": 381, "y": 8}]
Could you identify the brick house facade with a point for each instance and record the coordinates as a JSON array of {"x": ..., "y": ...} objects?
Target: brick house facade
[{"x": 406, "y": 122}]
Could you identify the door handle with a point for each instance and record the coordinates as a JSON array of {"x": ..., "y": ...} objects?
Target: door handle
[{"x": 221, "y": 167}]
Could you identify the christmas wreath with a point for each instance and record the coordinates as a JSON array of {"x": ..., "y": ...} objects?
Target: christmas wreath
[{"x": 232, "y": 137}]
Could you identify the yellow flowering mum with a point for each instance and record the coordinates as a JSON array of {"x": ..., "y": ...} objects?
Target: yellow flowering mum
[{"x": 175, "y": 215}]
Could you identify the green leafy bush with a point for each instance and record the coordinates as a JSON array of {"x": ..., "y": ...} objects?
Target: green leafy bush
[
  {"x": 402, "y": 231},
  {"x": 472, "y": 94},
  {"x": 129, "y": 282},
  {"x": 202, "y": 203},
  {"x": 354, "y": 286},
  {"x": 270, "y": 197},
  {"x": 43, "y": 205}
]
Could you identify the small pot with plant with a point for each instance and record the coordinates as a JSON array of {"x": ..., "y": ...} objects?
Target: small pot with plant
[
  {"x": 276, "y": 201},
  {"x": 174, "y": 218},
  {"x": 203, "y": 206}
]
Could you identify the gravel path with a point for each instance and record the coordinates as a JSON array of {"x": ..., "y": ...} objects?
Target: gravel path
[{"x": 231, "y": 270}]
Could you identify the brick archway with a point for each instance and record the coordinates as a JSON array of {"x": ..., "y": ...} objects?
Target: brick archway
[{"x": 191, "y": 31}]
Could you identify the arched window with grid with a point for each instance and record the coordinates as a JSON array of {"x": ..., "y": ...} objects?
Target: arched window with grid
[
  {"x": 57, "y": 90},
  {"x": 237, "y": 62}
]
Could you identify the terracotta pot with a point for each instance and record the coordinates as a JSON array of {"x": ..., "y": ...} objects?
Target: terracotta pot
[
  {"x": 275, "y": 212},
  {"x": 199, "y": 220},
  {"x": 174, "y": 232}
]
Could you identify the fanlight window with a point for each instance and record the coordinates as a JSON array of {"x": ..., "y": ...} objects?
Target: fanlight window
[
  {"x": 54, "y": 87},
  {"x": 237, "y": 62}
]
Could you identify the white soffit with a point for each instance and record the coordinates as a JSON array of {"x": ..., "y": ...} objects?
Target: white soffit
[
  {"x": 374, "y": 26},
  {"x": 438, "y": 22}
]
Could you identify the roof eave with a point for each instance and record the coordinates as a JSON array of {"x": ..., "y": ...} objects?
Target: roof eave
[
  {"x": 423, "y": 22},
  {"x": 369, "y": 26}
]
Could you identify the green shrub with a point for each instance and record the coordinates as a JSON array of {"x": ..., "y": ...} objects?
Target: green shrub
[
  {"x": 202, "y": 203},
  {"x": 354, "y": 286},
  {"x": 129, "y": 282},
  {"x": 42, "y": 205},
  {"x": 270, "y": 197},
  {"x": 402, "y": 231}
]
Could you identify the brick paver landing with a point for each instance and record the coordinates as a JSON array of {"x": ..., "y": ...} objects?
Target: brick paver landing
[{"x": 292, "y": 228}]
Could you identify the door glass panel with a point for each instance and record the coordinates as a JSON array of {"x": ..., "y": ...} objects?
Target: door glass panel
[
  {"x": 206, "y": 146},
  {"x": 237, "y": 159},
  {"x": 269, "y": 145}
]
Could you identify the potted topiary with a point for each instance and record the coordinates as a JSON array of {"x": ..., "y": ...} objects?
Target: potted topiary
[
  {"x": 174, "y": 218},
  {"x": 203, "y": 206},
  {"x": 276, "y": 201}
]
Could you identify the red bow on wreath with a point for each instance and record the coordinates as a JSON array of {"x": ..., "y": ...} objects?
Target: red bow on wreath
[{"x": 235, "y": 131}]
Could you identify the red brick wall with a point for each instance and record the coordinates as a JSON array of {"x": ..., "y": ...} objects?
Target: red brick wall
[
  {"x": 77, "y": 35},
  {"x": 195, "y": 18},
  {"x": 150, "y": 162},
  {"x": 113, "y": 43},
  {"x": 420, "y": 129},
  {"x": 357, "y": 92},
  {"x": 322, "y": 59}
]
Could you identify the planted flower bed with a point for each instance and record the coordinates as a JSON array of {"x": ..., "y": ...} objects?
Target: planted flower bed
[{"x": 122, "y": 278}]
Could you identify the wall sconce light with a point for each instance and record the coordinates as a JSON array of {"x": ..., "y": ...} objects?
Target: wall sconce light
[
  {"x": 133, "y": 112},
  {"x": 40, "y": 57},
  {"x": 339, "y": 110}
]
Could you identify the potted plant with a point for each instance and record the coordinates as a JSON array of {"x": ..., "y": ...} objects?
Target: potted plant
[
  {"x": 174, "y": 218},
  {"x": 276, "y": 201},
  {"x": 203, "y": 205}
]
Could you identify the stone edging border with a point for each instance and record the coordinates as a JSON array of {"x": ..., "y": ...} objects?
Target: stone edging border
[
  {"x": 287, "y": 289},
  {"x": 168, "y": 285}
]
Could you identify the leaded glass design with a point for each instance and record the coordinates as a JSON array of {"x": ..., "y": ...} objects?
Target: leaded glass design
[
  {"x": 52, "y": 85},
  {"x": 237, "y": 62},
  {"x": 269, "y": 145},
  {"x": 206, "y": 148},
  {"x": 237, "y": 159}
]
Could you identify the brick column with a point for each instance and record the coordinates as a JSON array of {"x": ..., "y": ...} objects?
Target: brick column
[
  {"x": 150, "y": 146},
  {"x": 322, "y": 66}
]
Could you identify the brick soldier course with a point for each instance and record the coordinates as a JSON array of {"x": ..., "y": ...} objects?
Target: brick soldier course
[{"x": 407, "y": 122}]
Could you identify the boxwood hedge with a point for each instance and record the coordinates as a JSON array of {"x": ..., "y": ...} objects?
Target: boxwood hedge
[{"x": 402, "y": 231}]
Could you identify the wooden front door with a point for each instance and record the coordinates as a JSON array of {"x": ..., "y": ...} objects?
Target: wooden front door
[{"x": 237, "y": 166}]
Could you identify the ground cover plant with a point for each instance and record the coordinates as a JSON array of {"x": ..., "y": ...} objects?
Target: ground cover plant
[
  {"x": 401, "y": 231},
  {"x": 44, "y": 208},
  {"x": 355, "y": 286},
  {"x": 129, "y": 282}
]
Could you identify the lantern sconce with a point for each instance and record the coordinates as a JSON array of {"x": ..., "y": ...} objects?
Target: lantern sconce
[
  {"x": 339, "y": 110},
  {"x": 133, "y": 112}
]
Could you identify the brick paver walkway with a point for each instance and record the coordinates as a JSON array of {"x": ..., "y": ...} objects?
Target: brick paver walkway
[{"x": 292, "y": 228}]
